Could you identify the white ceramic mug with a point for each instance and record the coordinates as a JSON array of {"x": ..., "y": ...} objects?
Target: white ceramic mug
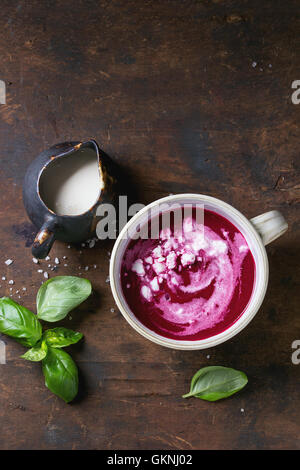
[{"x": 258, "y": 232}]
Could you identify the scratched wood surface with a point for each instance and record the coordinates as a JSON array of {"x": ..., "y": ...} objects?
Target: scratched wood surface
[{"x": 186, "y": 96}]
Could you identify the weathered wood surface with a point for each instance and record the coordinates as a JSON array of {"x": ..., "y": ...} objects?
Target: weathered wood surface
[{"x": 169, "y": 89}]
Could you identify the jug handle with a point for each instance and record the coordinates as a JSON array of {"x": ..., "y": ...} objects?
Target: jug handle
[{"x": 45, "y": 238}]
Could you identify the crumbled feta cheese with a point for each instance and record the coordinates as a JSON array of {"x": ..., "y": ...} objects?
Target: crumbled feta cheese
[
  {"x": 146, "y": 292},
  {"x": 138, "y": 267},
  {"x": 159, "y": 267},
  {"x": 171, "y": 260},
  {"x": 154, "y": 284},
  {"x": 187, "y": 258}
]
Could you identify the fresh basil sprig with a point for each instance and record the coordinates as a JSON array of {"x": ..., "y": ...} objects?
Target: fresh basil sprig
[
  {"x": 59, "y": 295},
  {"x": 61, "y": 374},
  {"x": 19, "y": 322},
  {"x": 55, "y": 299},
  {"x": 216, "y": 382}
]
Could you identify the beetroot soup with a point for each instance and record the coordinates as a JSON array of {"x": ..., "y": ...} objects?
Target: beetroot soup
[{"x": 192, "y": 282}]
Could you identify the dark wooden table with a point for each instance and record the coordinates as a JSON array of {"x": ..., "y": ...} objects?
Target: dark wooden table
[{"x": 187, "y": 96}]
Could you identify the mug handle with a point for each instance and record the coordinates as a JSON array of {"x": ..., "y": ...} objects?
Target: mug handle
[
  {"x": 45, "y": 238},
  {"x": 270, "y": 226}
]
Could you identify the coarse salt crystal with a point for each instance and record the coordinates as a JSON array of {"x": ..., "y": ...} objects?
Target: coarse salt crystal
[
  {"x": 35, "y": 260},
  {"x": 3, "y": 278},
  {"x": 8, "y": 262},
  {"x": 56, "y": 261},
  {"x": 47, "y": 258},
  {"x": 46, "y": 275},
  {"x": 11, "y": 282}
]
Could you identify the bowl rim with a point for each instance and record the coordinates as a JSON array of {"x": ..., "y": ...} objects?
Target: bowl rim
[{"x": 232, "y": 330}]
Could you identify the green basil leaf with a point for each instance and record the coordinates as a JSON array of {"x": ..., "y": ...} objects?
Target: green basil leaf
[
  {"x": 19, "y": 322},
  {"x": 37, "y": 353},
  {"x": 216, "y": 382},
  {"x": 61, "y": 374},
  {"x": 59, "y": 295},
  {"x": 61, "y": 337}
]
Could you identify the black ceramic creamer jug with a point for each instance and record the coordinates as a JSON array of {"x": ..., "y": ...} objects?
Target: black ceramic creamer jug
[{"x": 63, "y": 206}]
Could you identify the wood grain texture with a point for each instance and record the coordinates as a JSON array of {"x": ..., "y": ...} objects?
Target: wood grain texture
[{"x": 170, "y": 91}]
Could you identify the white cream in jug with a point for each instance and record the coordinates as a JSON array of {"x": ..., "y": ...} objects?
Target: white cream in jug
[{"x": 71, "y": 184}]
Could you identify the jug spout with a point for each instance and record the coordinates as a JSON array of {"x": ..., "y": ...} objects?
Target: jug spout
[{"x": 44, "y": 239}]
